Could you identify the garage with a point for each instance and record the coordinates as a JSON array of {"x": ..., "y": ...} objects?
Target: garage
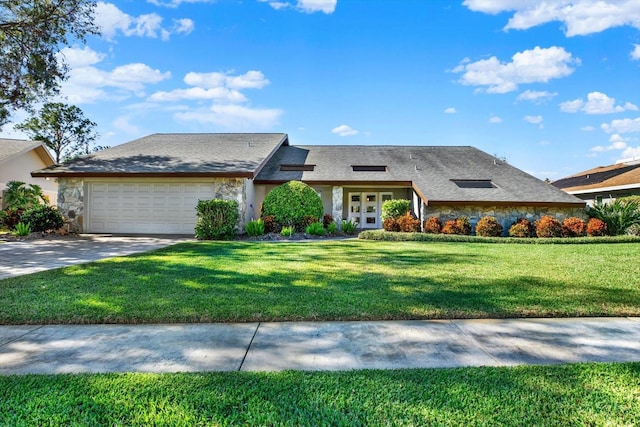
[{"x": 144, "y": 206}]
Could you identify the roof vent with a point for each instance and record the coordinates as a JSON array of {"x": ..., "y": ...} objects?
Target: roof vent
[
  {"x": 297, "y": 168},
  {"x": 369, "y": 168},
  {"x": 474, "y": 183}
]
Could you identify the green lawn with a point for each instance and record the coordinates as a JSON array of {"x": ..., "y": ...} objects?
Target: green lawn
[
  {"x": 571, "y": 395},
  {"x": 326, "y": 280}
]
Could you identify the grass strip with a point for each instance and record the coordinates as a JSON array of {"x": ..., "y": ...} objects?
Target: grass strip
[
  {"x": 576, "y": 395},
  {"x": 332, "y": 280}
]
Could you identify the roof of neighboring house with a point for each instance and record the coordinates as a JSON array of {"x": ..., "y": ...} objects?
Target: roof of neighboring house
[
  {"x": 620, "y": 174},
  {"x": 12, "y": 148},
  {"x": 439, "y": 174},
  {"x": 179, "y": 154}
]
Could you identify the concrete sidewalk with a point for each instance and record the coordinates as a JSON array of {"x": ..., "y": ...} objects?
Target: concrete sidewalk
[{"x": 315, "y": 345}]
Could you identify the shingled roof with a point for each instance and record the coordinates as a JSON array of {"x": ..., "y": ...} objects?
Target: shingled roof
[
  {"x": 441, "y": 175},
  {"x": 177, "y": 154},
  {"x": 12, "y": 148},
  {"x": 617, "y": 175}
]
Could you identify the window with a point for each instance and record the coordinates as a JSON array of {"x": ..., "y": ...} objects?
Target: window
[
  {"x": 296, "y": 168},
  {"x": 474, "y": 183},
  {"x": 369, "y": 168}
]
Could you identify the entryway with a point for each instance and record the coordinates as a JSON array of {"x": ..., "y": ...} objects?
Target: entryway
[{"x": 365, "y": 208}]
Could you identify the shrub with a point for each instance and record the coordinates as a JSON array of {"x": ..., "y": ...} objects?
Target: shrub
[
  {"x": 457, "y": 226},
  {"x": 255, "y": 228},
  {"x": 634, "y": 230},
  {"x": 394, "y": 208},
  {"x": 332, "y": 227},
  {"x": 217, "y": 219},
  {"x": 488, "y": 226},
  {"x": 432, "y": 225},
  {"x": 327, "y": 219},
  {"x": 43, "y": 218},
  {"x": 349, "y": 227},
  {"x": 269, "y": 223},
  {"x": 596, "y": 227},
  {"x": 308, "y": 220},
  {"x": 619, "y": 215},
  {"x": 548, "y": 226},
  {"x": 391, "y": 224},
  {"x": 408, "y": 224},
  {"x": 23, "y": 229},
  {"x": 22, "y": 196},
  {"x": 287, "y": 231},
  {"x": 289, "y": 203},
  {"x": 11, "y": 218},
  {"x": 574, "y": 227},
  {"x": 522, "y": 228},
  {"x": 315, "y": 229}
]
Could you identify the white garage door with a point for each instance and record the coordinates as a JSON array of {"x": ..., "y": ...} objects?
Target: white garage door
[{"x": 144, "y": 207}]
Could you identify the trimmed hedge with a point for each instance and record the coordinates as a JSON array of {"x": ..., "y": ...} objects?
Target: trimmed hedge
[
  {"x": 217, "y": 219},
  {"x": 293, "y": 203}
]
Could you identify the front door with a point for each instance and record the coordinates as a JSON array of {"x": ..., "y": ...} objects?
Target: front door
[{"x": 365, "y": 208}]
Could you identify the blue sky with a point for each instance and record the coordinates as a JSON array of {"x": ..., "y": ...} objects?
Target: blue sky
[{"x": 554, "y": 87}]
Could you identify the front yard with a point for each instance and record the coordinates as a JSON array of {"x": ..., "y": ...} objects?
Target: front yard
[{"x": 333, "y": 280}]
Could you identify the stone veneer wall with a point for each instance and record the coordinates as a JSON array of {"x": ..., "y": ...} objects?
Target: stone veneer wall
[
  {"x": 71, "y": 199},
  {"x": 71, "y": 203},
  {"x": 505, "y": 215}
]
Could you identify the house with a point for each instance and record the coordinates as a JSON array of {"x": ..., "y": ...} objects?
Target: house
[
  {"x": 152, "y": 185},
  {"x": 18, "y": 158},
  {"x": 604, "y": 183}
]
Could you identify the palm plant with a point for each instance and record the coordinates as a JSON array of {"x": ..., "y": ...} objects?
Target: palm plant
[
  {"x": 619, "y": 215},
  {"x": 21, "y": 196}
]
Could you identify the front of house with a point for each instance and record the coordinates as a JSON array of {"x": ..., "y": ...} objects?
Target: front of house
[{"x": 152, "y": 185}]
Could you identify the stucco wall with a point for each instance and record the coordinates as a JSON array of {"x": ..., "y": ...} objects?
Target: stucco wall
[
  {"x": 20, "y": 168},
  {"x": 506, "y": 216}
]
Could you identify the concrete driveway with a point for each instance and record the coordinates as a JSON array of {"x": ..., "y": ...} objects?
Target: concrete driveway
[{"x": 30, "y": 256}]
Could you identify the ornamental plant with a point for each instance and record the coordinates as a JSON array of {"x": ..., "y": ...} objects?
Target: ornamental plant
[
  {"x": 42, "y": 218},
  {"x": 390, "y": 224},
  {"x": 349, "y": 227},
  {"x": 408, "y": 224},
  {"x": 488, "y": 226},
  {"x": 315, "y": 229},
  {"x": 394, "y": 208},
  {"x": 522, "y": 228},
  {"x": 327, "y": 219},
  {"x": 291, "y": 202},
  {"x": 596, "y": 227},
  {"x": 432, "y": 225},
  {"x": 459, "y": 225},
  {"x": 618, "y": 215},
  {"x": 574, "y": 227},
  {"x": 269, "y": 223},
  {"x": 255, "y": 228},
  {"x": 548, "y": 226},
  {"x": 217, "y": 219}
]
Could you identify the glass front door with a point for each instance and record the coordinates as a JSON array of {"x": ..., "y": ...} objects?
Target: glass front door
[{"x": 364, "y": 208}]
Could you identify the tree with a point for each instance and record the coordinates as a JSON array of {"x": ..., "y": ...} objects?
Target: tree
[
  {"x": 31, "y": 35},
  {"x": 63, "y": 128}
]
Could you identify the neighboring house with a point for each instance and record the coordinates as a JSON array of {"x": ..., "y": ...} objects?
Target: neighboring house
[
  {"x": 152, "y": 185},
  {"x": 18, "y": 158},
  {"x": 604, "y": 183}
]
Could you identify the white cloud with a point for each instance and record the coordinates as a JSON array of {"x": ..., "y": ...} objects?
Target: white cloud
[
  {"x": 631, "y": 152},
  {"x": 235, "y": 117},
  {"x": 534, "y": 120},
  {"x": 536, "y": 96},
  {"x": 580, "y": 17},
  {"x": 530, "y": 66},
  {"x": 635, "y": 53},
  {"x": 450, "y": 110},
  {"x": 87, "y": 82},
  {"x": 597, "y": 103},
  {"x": 622, "y": 126},
  {"x": 198, "y": 93},
  {"x": 495, "y": 119},
  {"x": 344, "y": 130},
  {"x": 306, "y": 6},
  {"x": 123, "y": 125},
  {"x": 617, "y": 143},
  {"x": 112, "y": 21},
  {"x": 587, "y": 129},
  {"x": 176, "y": 3}
]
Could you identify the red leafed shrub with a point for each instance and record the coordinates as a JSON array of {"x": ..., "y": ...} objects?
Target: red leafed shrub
[
  {"x": 522, "y": 228},
  {"x": 408, "y": 224},
  {"x": 488, "y": 226},
  {"x": 269, "y": 223},
  {"x": 574, "y": 227},
  {"x": 327, "y": 219},
  {"x": 432, "y": 225},
  {"x": 390, "y": 224},
  {"x": 548, "y": 226},
  {"x": 457, "y": 226},
  {"x": 596, "y": 227}
]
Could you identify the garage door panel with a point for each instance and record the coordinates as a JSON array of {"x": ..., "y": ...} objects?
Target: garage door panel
[{"x": 143, "y": 207}]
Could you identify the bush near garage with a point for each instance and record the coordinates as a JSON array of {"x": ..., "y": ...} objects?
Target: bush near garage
[
  {"x": 293, "y": 203},
  {"x": 217, "y": 219},
  {"x": 42, "y": 218}
]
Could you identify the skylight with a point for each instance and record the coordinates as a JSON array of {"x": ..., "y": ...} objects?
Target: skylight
[
  {"x": 474, "y": 183},
  {"x": 369, "y": 168},
  {"x": 297, "y": 168}
]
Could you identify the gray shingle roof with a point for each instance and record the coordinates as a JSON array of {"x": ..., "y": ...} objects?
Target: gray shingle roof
[
  {"x": 204, "y": 154},
  {"x": 429, "y": 169},
  {"x": 13, "y": 147}
]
